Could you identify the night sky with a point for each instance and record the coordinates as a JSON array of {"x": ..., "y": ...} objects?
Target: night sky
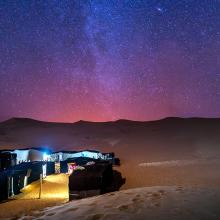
[{"x": 105, "y": 60}]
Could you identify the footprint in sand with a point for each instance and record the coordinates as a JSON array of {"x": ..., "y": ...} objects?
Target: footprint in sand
[
  {"x": 30, "y": 217},
  {"x": 111, "y": 216},
  {"x": 157, "y": 204},
  {"x": 131, "y": 208},
  {"x": 68, "y": 210},
  {"x": 148, "y": 194},
  {"x": 95, "y": 217},
  {"x": 14, "y": 218},
  {"x": 72, "y": 209},
  {"x": 162, "y": 192},
  {"x": 51, "y": 214},
  {"x": 156, "y": 197},
  {"x": 108, "y": 206},
  {"x": 111, "y": 194},
  {"x": 137, "y": 199},
  {"x": 123, "y": 208},
  {"x": 179, "y": 189},
  {"x": 92, "y": 204}
]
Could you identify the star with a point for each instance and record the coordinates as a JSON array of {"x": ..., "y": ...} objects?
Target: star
[
  {"x": 160, "y": 9},
  {"x": 101, "y": 60}
]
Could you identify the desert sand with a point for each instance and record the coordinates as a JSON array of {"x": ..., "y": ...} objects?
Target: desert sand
[
  {"x": 54, "y": 192},
  {"x": 140, "y": 204},
  {"x": 171, "y": 152}
]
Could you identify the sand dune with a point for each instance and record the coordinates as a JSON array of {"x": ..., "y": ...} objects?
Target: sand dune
[
  {"x": 167, "y": 153},
  {"x": 140, "y": 204},
  {"x": 188, "y": 141}
]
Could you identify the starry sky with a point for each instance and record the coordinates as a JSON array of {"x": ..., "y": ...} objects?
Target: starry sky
[{"x": 103, "y": 60}]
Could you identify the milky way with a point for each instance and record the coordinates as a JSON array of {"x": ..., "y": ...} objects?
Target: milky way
[{"x": 105, "y": 60}]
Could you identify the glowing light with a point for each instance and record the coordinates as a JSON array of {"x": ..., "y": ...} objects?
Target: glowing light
[
  {"x": 159, "y": 9},
  {"x": 25, "y": 181},
  {"x": 28, "y": 187},
  {"x": 44, "y": 169},
  {"x": 46, "y": 156},
  {"x": 71, "y": 167}
]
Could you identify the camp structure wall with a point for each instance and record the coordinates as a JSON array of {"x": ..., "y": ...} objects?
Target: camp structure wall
[
  {"x": 93, "y": 177},
  {"x": 50, "y": 168},
  {"x": 63, "y": 167},
  {"x": 80, "y": 161},
  {"x": 25, "y": 155},
  {"x": 3, "y": 186},
  {"x": 7, "y": 160},
  {"x": 13, "y": 179},
  {"x": 31, "y": 171}
]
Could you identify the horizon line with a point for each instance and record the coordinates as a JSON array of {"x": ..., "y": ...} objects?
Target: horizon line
[{"x": 120, "y": 119}]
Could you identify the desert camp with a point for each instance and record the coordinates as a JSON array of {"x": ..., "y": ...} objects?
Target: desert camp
[{"x": 21, "y": 167}]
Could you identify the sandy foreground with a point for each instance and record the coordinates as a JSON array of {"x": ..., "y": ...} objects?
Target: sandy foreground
[
  {"x": 142, "y": 203},
  {"x": 156, "y": 202},
  {"x": 179, "y": 156},
  {"x": 54, "y": 192},
  {"x": 186, "y": 189}
]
